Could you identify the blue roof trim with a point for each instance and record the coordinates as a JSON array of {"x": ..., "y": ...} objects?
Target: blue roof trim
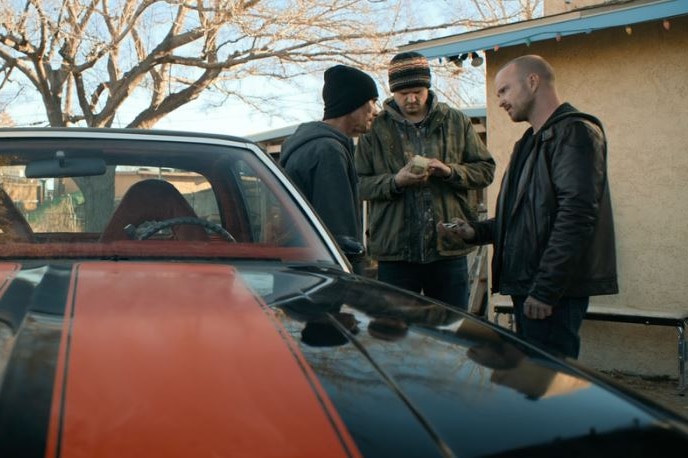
[
  {"x": 548, "y": 27},
  {"x": 474, "y": 112}
]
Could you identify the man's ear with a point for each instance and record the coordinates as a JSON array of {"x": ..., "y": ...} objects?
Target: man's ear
[{"x": 533, "y": 81}]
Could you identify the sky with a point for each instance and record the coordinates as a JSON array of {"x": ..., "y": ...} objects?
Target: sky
[
  {"x": 292, "y": 106},
  {"x": 295, "y": 104},
  {"x": 234, "y": 118},
  {"x": 231, "y": 118}
]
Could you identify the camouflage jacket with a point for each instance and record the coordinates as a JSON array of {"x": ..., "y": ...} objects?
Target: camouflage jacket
[{"x": 402, "y": 223}]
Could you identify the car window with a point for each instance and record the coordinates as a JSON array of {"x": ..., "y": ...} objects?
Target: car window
[
  {"x": 59, "y": 204},
  {"x": 267, "y": 222},
  {"x": 100, "y": 191}
]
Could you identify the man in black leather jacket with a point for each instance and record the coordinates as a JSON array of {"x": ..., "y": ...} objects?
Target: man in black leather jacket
[{"x": 553, "y": 230}]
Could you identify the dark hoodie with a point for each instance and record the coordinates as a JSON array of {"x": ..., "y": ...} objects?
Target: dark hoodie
[{"x": 320, "y": 161}]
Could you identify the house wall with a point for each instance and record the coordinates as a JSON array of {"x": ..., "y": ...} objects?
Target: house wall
[{"x": 637, "y": 84}]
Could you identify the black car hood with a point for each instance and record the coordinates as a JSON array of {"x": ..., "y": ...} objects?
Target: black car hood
[
  {"x": 388, "y": 373},
  {"x": 412, "y": 377}
]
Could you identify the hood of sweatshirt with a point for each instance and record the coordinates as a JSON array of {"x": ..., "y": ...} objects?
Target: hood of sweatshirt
[{"x": 311, "y": 131}]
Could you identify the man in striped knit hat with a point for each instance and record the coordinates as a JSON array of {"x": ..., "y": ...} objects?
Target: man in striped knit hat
[{"x": 415, "y": 167}]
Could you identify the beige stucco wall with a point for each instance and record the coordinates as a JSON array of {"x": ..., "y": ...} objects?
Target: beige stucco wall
[{"x": 637, "y": 85}]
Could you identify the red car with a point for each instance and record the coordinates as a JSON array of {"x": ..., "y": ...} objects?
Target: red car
[{"x": 167, "y": 294}]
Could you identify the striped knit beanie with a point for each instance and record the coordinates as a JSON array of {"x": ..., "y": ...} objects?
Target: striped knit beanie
[{"x": 408, "y": 69}]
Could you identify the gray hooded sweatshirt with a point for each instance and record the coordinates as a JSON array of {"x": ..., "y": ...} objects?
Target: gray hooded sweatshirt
[{"x": 319, "y": 159}]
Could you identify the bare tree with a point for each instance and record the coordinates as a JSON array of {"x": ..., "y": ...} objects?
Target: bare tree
[
  {"x": 463, "y": 85},
  {"x": 87, "y": 58},
  {"x": 5, "y": 119}
]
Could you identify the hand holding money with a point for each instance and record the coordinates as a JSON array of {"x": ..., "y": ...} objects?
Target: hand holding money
[
  {"x": 456, "y": 228},
  {"x": 413, "y": 173}
]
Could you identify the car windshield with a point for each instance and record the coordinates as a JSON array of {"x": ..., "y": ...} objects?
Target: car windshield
[{"x": 145, "y": 195}]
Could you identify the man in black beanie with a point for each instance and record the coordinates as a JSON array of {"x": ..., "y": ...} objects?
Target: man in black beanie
[
  {"x": 416, "y": 167},
  {"x": 319, "y": 156}
]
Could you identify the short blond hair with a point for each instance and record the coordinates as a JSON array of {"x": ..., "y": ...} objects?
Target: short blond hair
[{"x": 532, "y": 63}]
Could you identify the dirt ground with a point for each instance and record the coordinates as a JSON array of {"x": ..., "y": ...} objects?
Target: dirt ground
[{"x": 663, "y": 390}]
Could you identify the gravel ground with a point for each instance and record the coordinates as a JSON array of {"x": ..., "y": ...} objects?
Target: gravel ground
[{"x": 663, "y": 390}]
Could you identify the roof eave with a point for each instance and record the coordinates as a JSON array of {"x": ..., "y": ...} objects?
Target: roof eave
[{"x": 585, "y": 20}]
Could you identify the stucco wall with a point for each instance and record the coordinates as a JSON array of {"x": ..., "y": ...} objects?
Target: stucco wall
[{"x": 637, "y": 85}]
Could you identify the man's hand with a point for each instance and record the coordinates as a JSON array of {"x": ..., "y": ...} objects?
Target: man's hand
[
  {"x": 405, "y": 177},
  {"x": 456, "y": 229},
  {"x": 438, "y": 168},
  {"x": 535, "y": 309}
]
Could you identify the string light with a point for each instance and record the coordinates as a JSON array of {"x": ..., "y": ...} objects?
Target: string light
[
  {"x": 666, "y": 24},
  {"x": 476, "y": 60},
  {"x": 458, "y": 60},
  {"x": 557, "y": 37},
  {"x": 629, "y": 30}
]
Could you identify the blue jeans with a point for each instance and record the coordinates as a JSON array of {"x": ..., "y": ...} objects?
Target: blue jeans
[
  {"x": 558, "y": 333},
  {"x": 445, "y": 280}
]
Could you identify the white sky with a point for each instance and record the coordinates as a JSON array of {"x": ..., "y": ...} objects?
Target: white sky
[
  {"x": 233, "y": 118},
  {"x": 292, "y": 106}
]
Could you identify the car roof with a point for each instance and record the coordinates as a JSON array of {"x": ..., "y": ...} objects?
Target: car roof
[{"x": 69, "y": 131}]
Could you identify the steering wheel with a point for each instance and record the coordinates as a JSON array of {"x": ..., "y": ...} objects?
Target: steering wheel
[{"x": 157, "y": 226}]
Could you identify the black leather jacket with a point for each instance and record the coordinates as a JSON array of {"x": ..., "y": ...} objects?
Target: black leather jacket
[{"x": 557, "y": 239}]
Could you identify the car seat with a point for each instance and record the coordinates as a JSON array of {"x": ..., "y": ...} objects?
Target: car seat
[{"x": 152, "y": 200}]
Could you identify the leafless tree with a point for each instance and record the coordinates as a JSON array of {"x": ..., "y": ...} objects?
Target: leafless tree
[
  {"x": 87, "y": 59},
  {"x": 5, "y": 119}
]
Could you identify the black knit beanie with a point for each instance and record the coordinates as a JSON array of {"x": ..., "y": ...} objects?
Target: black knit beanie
[
  {"x": 345, "y": 90},
  {"x": 408, "y": 69}
]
